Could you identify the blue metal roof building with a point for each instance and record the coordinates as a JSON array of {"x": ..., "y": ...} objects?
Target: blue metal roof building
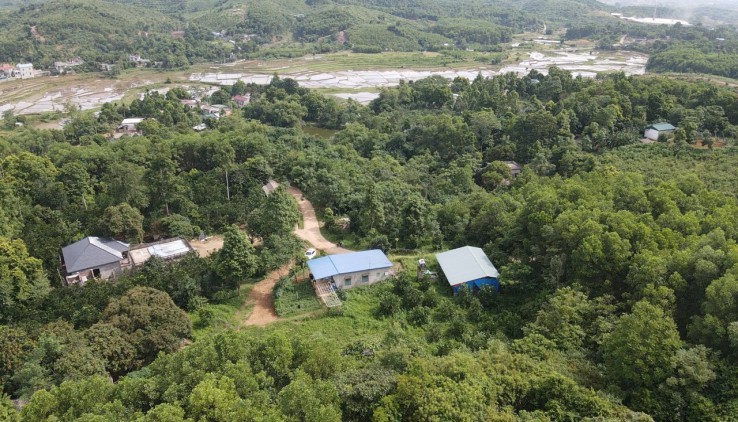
[
  {"x": 351, "y": 269},
  {"x": 468, "y": 266}
]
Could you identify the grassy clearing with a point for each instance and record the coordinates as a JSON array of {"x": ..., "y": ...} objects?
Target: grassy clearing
[
  {"x": 293, "y": 298},
  {"x": 349, "y": 240},
  {"x": 354, "y": 321},
  {"x": 318, "y": 131},
  {"x": 225, "y": 315}
]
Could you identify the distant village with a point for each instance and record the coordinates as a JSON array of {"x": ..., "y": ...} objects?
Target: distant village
[
  {"x": 26, "y": 70},
  {"x": 130, "y": 126}
]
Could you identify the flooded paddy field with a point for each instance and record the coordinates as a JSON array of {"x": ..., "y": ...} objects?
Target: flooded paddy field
[
  {"x": 359, "y": 83},
  {"x": 341, "y": 75}
]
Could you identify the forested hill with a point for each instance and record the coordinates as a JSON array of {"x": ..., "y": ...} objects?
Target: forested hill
[
  {"x": 100, "y": 32},
  {"x": 106, "y": 31}
]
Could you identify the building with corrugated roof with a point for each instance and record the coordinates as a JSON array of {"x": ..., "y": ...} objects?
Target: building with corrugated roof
[
  {"x": 653, "y": 131},
  {"x": 351, "y": 269},
  {"x": 468, "y": 266}
]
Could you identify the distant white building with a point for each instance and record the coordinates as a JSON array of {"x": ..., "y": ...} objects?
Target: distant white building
[
  {"x": 653, "y": 131},
  {"x": 24, "y": 70},
  {"x": 130, "y": 125},
  {"x": 140, "y": 61},
  {"x": 270, "y": 187},
  {"x": 63, "y": 67}
]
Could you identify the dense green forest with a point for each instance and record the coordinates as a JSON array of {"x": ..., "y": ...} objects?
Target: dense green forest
[
  {"x": 100, "y": 32},
  {"x": 618, "y": 260}
]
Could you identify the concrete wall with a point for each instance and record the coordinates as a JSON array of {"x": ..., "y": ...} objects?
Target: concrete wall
[
  {"x": 652, "y": 134},
  {"x": 110, "y": 270},
  {"x": 373, "y": 277},
  {"x": 25, "y": 72}
]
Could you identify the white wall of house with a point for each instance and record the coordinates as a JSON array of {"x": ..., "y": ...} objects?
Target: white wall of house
[
  {"x": 25, "y": 70},
  {"x": 362, "y": 278},
  {"x": 652, "y": 134}
]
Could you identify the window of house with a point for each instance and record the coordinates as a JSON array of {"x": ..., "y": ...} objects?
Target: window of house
[
  {"x": 365, "y": 278},
  {"x": 347, "y": 281}
]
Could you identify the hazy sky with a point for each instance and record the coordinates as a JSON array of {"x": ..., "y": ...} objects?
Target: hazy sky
[{"x": 674, "y": 3}]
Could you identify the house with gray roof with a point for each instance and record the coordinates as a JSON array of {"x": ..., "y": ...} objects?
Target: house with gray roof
[
  {"x": 93, "y": 257},
  {"x": 655, "y": 130},
  {"x": 515, "y": 168}
]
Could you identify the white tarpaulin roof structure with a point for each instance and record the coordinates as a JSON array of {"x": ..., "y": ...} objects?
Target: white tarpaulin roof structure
[{"x": 466, "y": 264}]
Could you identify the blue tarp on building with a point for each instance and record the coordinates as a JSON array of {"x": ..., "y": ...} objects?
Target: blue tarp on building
[{"x": 477, "y": 284}]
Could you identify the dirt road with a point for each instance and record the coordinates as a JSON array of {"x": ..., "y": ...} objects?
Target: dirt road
[
  {"x": 310, "y": 231},
  {"x": 263, "y": 299},
  {"x": 261, "y": 295}
]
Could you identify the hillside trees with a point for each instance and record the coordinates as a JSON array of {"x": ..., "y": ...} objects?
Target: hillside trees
[
  {"x": 22, "y": 277},
  {"x": 149, "y": 321},
  {"x": 236, "y": 261},
  {"x": 617, "y": 262}
]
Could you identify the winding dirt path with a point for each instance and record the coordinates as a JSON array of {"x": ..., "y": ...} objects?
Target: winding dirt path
[
  {"x": 310, "y": 231},
  {"x": 263, "y": 299},
  {"x": 261, "y": 295}
]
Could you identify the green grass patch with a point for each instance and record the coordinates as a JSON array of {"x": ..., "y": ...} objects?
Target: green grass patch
[
  {"x": 226, "y": 314},
  {"x": 349, "y": 240},
  {"x": 294, "y": 298},
  {"x": 319, "y": 131},
  {"x": 354, "y": 320}
]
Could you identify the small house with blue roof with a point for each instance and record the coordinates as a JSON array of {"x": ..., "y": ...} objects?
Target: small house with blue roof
[
  {"x": 351, "y": 269},
  {"x": 468, "y": 266}
]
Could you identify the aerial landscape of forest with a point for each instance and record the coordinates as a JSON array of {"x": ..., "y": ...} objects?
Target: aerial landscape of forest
[{"x": 368, "y": 210}]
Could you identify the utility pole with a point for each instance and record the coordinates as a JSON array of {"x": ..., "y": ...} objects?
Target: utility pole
[{"x": 228, "y": 187}]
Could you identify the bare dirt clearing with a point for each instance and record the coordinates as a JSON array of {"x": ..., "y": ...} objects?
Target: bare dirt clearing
[
  {"x": 262, "y": 297},
  {"x": 207, "y": 247}
]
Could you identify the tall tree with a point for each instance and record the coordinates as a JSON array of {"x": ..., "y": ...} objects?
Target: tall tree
[
  {"x": 237, "y": 260},
  {"x": 277, "y": 216},
  {"x": 123, "y": 222},
  {"x": 149, "y": 321},
  {"x": 21, "y": 276},
  {"x": 639, "y": 353}
]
